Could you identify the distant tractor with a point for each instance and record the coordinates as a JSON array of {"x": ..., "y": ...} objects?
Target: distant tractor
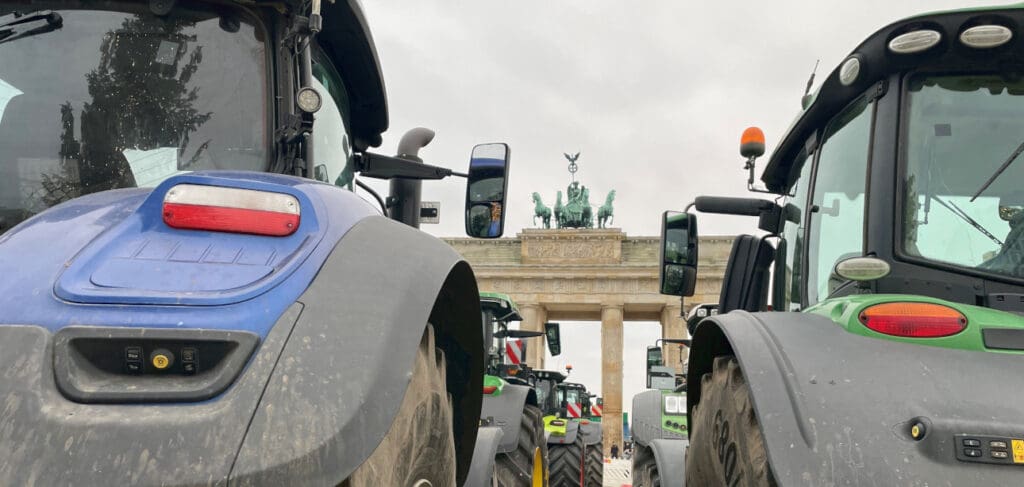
[
  {"x": 575, "y": 453},
  {"x": 660, "y": 424},
  {"x": 872, "y": 335},
  {"x": 510, "y": 402}
]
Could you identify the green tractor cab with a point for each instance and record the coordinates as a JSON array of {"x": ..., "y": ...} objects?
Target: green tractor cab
[{"x": 880, "y": 309}]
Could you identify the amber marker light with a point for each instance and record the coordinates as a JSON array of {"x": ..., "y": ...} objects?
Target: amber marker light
[
  {"x": 913, "y": 320},
  {"x": 752, "y": 142}
]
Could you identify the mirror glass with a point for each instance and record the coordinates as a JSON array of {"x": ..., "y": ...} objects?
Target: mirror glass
[
  {"x": 485, "y": 191},
  {"x": 554, "y": 336},
  {"x": 678, "y": 271}
]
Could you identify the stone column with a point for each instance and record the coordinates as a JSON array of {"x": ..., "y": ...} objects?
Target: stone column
[
  {"x": 611, "y": 374},
  {"x": 534, "y": 316},
  {"x": 673, "y": 326}
]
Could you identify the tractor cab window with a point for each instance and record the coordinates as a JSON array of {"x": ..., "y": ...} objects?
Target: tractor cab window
[
  {"x": 837, "y": 200},
  {"x": 121, "y": 98},
  {"x": 961, "y": 207},
  {"x": 793, "y": 282},
  {"x": 543, "y": 390},
  {"x": 332, "y": 145}
]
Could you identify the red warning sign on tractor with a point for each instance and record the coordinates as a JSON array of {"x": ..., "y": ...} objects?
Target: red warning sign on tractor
[
  {"x": 574, "y": 410},
  {"x": 595, "y": 410},
  {"x": 515, "y": 350}
]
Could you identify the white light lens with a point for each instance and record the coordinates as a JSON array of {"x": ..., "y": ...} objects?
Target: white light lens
[
  {"x": 308, "y": 100},
  {"x": 701, "y": 312},
  {"x": 243, "y": 199},
  {"x": 849, "y": 71},
  {"x": 916, "y": 41},
  {"x": 986, "y": 36},
  {"x": 862, "y": 269},
  {"x": 672, "y": 404}
]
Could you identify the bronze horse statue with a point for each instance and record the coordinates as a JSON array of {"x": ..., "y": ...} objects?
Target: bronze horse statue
[
  {"x": 606, "y": 213},
  {"x": 541, "y": 211}
]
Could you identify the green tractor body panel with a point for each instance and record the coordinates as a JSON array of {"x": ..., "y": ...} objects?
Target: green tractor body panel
[
  {"x": 496, "y": 382},
  {"x": 846, "y": 311}
]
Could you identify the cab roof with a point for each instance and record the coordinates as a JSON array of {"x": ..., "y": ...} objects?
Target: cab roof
[
  {"x": 500, "y": 301},
  {"x": 877, "y": 62}
]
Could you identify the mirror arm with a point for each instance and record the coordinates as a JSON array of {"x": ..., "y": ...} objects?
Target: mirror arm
[{"x": 379, "y": 166}]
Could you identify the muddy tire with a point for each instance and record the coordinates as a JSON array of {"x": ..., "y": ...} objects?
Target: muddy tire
[
  {"x": 420, "y": 445},
  {"x": 645, "y": 469},
  {"x": 565, "y": 462},
  {"x": 527, "y": 465},
  {"x": 726, "y": 443},
  {"x": 594, "y": 467}
]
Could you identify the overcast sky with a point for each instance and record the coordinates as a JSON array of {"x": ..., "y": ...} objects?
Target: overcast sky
[{"x": 653, "y": 93}]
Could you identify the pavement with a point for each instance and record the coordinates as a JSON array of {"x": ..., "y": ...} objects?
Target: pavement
[{"x": 617, "y": 474}]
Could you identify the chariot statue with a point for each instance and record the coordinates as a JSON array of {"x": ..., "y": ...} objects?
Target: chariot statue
[{"x": 576, "y": 211}]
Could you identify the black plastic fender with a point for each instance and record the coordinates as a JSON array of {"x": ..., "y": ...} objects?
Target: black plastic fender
[
  {"x": 347, "y": 364},
  {"x": 838, "y": 408},
  {"x": 572, "y": 428},
  {"x": 670, "y": 456},
  {"x": 506, "y": 412},
  {"x": 481, "y": 472},
  {"x": 591, "y": 432}
]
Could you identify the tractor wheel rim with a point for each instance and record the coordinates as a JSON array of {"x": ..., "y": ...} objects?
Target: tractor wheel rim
[{"x": 539, "y": 472}]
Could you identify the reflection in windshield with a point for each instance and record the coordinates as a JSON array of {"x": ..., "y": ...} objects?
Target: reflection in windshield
[
  {"x": 962, "y": 129},
  {"x": 115, "y": 99}
]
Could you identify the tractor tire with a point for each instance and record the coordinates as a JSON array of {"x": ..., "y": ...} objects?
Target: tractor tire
[
  {"x": 527, "y": 465},
  {"x": 566, "y": 463},
  {"x": 594, "y": 467},
  {"x": 645, "y": 469},
  {"x": 726, "y": 444},
  {"x": 419, "y": 448}
]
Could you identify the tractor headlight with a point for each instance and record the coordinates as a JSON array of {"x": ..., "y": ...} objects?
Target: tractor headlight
[{"x": 672, "y": 405}]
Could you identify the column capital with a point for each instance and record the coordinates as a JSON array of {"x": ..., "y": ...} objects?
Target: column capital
[
  {"x": 672, "y": 306},
  {"x": 613, "y": 304}
]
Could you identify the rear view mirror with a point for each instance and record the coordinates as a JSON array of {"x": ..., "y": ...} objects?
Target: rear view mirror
[
  {"x": 554, "y": 338},
  {"x": 486, "y": 189},
  {"x": 654, "y": 359},
  {"x": 678, "y": 270}
]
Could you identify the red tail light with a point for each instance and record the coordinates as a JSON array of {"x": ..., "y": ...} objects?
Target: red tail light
[
  {"x": 234, "y": 210},
  {"x": 914, "y": 320},
  {"x": 490, "y": 389}
]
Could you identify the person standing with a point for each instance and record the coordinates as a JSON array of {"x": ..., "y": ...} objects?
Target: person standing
[{"x": 615, "y": 451}]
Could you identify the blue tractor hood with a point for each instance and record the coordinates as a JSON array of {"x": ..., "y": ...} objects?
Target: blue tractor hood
[{"x": 108, "y": 259}]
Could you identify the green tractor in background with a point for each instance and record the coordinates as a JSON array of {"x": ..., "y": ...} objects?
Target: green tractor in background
[
  {"x": 510, "y": 401},
  {"x": 659, "y": 427},
  {"x": 892, "y": 256},
  {"x": 574, "y": 435}
]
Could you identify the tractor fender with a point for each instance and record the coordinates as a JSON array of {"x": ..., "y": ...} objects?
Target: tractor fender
[
  {"x": 482, "y": 469},
  {"x": 591, "y": 432},
  {"x": 837, "y": 408},
  {"x": 506, "y": 412},
  {"x": 348, "y": 362},
  {"x": 670, "y": 456},
  {"x": 572, "y": 428}
]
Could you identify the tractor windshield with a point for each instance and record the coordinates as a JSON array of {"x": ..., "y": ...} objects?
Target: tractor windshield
[
  {"x": 961, "y": 130},
  {"x": 118, "y": 98}
]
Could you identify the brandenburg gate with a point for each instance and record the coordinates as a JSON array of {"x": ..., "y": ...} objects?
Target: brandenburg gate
[{"x": 592, "y": 275}]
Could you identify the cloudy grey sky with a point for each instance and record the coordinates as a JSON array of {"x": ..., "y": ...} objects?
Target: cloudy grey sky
[{"x": 654, "y": 93}]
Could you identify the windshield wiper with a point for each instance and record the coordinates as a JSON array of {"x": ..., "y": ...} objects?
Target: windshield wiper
[
  {"x": 17, "y": 25},
  {"x": 992, "y": 178},
  {"x": 954, "y": 209}
]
